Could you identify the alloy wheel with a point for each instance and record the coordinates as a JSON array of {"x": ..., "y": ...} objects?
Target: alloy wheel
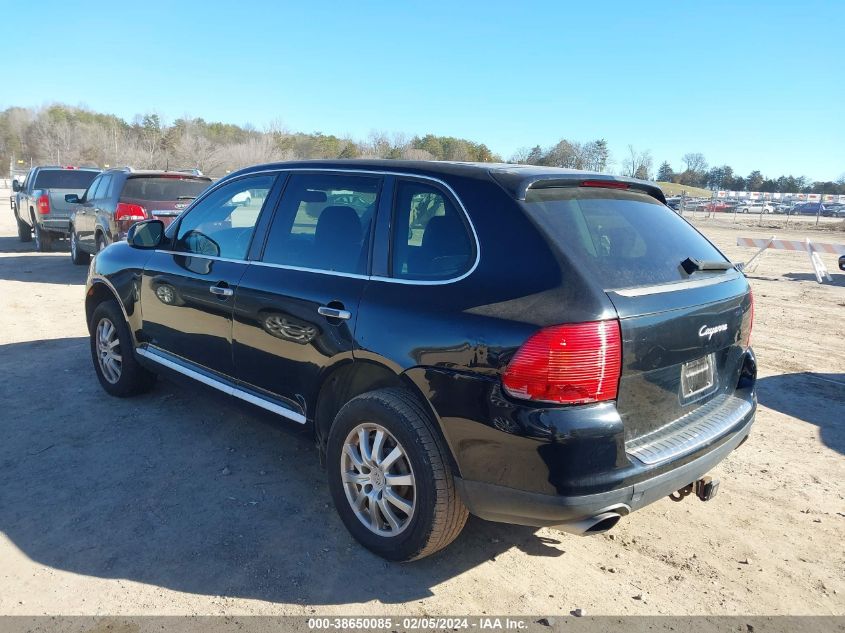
[
  {"x": 108, "y": 351},
  {"x": 378, "y": 479}
]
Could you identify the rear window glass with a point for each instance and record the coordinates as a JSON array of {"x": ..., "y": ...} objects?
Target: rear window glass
[
  {"x": 624, "y": 239},
  {"x": 64, "y": 179},
  {"x": 158, "y": 188}
]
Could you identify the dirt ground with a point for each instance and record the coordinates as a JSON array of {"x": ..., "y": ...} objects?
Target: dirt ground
[{"x": 185, "y": 502}]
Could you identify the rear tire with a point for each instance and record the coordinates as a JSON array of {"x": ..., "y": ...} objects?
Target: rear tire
[
  {"x": 77, "y": 256},
  {"x": 100, "y": 242},
  {"x": 113, "y": 353},
  {"x": 43, "y": 239},
  {"x": 435, "y": 514},
  {"x": 24, "y": 231}
]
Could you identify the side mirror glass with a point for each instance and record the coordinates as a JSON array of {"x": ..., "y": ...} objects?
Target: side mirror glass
[
  {"x": 16, "y": 186},
  {"x": 147, "y": 234},
  {"x": 72, "y": 198}
]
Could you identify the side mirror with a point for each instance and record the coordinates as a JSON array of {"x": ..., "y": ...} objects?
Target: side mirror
[
  {"x": 147, "y": 234},
  {"x": 16, "y": 186},
  {"x": 72, "y": 198}
]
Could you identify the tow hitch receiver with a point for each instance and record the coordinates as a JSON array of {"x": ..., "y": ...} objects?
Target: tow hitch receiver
[{"x": 705, "y": 489}]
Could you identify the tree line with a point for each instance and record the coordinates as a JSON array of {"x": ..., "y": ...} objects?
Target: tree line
[
  {"x": 61, "y": 134},
  {"x": 69, "y": 135}
]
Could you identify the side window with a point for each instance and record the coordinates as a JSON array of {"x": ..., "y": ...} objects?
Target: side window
[
  {"x": 105, "y": 185},
  {"x": 222, "y": 224},
  {"x": 108, "y": 187},
  {"x": 430, "y": 237},
  {"x": 91, "y": 193},
  {"x": 323, "y": 222}
]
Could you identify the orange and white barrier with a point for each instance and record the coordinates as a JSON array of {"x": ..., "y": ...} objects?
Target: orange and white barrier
[
  {"x": 811, "y": 248},
  {"x": 792, "y": 245}
]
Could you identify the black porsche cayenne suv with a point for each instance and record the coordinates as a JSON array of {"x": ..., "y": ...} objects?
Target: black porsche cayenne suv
[{"x": 532, "y": 345}]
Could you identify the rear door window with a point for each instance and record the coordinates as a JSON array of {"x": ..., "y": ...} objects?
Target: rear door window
[
  {"x": 431, "y": 240},
  {"x": 324, "y": 223},
  {"x": 624, "y": 239}
]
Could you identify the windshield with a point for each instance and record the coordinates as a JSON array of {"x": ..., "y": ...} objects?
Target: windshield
[
  {"x": 163, "y": 187},
  {"x": 64, "y": 179},
  {"x": 625, "y": 239}
]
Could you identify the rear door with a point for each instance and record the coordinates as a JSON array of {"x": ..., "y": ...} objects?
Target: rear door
[
  {"x": 187, "y": 290},
  {"x": 684, "y": 334},
  {"x": 296, "y": 309}
]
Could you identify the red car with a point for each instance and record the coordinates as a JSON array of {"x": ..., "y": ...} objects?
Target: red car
[{"x": 718, "y": 206}]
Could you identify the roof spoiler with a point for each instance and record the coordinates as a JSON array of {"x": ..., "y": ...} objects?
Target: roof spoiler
[{"x": 588, "y": 180}]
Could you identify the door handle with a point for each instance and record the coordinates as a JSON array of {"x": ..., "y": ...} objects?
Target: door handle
[
  {"x": 334, "y": 313},
  {"x": 221, "y": 292}
]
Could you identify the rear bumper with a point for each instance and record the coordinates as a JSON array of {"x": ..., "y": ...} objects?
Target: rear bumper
[
  {"x": 508, "y": 505},
  {"x": 54, "y": 224}
]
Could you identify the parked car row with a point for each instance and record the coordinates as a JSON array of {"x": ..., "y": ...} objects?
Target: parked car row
[
  {"x": 385, "y": 306},
  {"x": 766, "y": 207},
  {"x": 94, "y": 208}
]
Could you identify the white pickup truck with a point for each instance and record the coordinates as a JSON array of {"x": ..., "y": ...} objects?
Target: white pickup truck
[{"x": 39, "y": 202}]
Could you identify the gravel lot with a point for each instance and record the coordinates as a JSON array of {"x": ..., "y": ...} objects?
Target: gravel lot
[{"x": 184, "y": 502}]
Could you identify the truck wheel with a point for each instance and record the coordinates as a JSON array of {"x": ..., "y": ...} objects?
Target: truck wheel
[
  {"x": 113, "y": 354},
  {"x": 77, "y": 256},
  {"x": 390, "y": 478},
  {"x": 100, "y": 242},
  {"x": 24, "y": 231},
  {"x": 43, "y": 240}
]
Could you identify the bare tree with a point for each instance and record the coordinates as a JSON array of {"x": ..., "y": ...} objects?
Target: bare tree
[
  {"x": 695, "y": 162},
  {"x": 637, "y": 164}
]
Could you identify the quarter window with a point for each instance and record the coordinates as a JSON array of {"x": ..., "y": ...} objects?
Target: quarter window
[
  {"x": 430, "y": 238},
  {"x": 323, "y": 222},
  {"x": 222, "y": 224}
]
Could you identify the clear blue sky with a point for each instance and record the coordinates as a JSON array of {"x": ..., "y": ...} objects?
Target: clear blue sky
[{"x": 756, "y": 84}]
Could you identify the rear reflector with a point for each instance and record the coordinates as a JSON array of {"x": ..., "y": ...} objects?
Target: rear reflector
[
  {"x": 130, "y": 212},
  {"x": 43, "y": 204},
  {"x": 575, "y": 363},
  {"x": 605, "y": 184}
]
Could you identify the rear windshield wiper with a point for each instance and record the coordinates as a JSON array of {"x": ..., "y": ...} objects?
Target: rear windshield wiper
[
  {"x": 186, "y": 198},
  {"x": 691, "y": 265}
]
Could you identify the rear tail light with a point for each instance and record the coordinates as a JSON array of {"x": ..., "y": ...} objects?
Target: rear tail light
[
  {"x": 568, "y": 364},
  {"x": 130, "y": 212},
  {"x": 44, "y": 204},
  {"x": 747, "y": 341}
]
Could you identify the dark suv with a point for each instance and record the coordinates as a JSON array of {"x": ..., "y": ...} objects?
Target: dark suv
[
  {"x": 532, "y": 345},
  {"x": 120, "y": 197}
]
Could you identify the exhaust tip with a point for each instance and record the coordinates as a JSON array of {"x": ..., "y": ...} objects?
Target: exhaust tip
[
  {"x": 603, "y": 525},
  {"x": 597, "y": 524}
]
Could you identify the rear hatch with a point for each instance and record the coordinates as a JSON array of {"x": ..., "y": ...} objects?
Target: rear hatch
[
  {"x": 684, "y": 312},
  {"x": 160, "y": 196},
  {"x": 57, "y": 183}
]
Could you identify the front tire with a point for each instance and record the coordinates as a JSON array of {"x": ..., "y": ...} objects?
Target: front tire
[
  {"x": 390, "y": 478},
  {"x": 77, "y": 256},
  {"x": 113, "y": 354}
]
